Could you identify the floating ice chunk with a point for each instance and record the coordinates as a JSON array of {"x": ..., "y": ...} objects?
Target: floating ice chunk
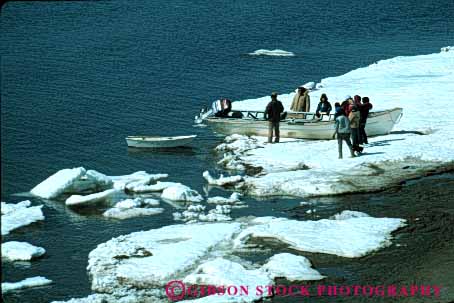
[
  {"x": 139, "y": 178},
  {"x": 129, "y": 203},
  {"x": 233, "y": 199},
  {"x": 348, "y": 214},
  {"x": 126, "y": 213},
  {"x": 222, "y": 209},
  {"x": 222, "y": 181},
  {"x": 159, "y": 186},
  {"x": 11, "y": 207},
  {"x": 224, "y": 272},
  {"x": 291, "y": 267},
  {"x": 27, "y": 283},
  {"x": 150, "y": 202},
  {"x": 58, "y": 183},
  {"x": 91, "y": 199},
  {"x": 181, "y": 193},
  {"x": 354, "y": 237},
  {"x": 275, "y": 52},
  {"x": 20, "y": 216},
  {"x": 213, "y": 217},
  {"x": 21, "y": 251},
  {"x": 145, "y": 261},
  {"x": 196, "y": 208}
]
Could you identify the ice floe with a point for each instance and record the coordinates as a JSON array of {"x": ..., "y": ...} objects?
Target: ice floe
[
  {"x": 180, "y": 192},
  {"x": 21, "y": 251},
  {"x": 348, "y": 214},
  {"x": 195, "y": 213},
  {"x": 275, "y": 52},
  {"x": 126, "y": 213},
  {"x": 234, "y": 199},
  {"x": 291, "y": 267},
  {"x": 136, "y": 181},
  {"x": 143, "y": 262},
  {"x": 11, "y": 207},
  {"x": 221, "y": 181},
  {"x": 139, "y": 265},
  {"x": 78, "y": 200},
  {"x": 18, "y": 215},
  {"x": 58, "y": 183},
  {"x": 353, "y": 237},
  {"x": 27, "y": 283}
]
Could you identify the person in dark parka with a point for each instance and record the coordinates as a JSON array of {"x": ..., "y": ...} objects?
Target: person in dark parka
[
  {"x": 273, "y": 113},
  {"x": 364, "y": 109}
]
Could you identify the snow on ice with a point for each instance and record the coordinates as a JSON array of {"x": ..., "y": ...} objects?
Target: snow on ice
[
  {"x": 21, "y": 251},
  {"x": 18, "y": 215},
  {"x": 27, "y": 283}
]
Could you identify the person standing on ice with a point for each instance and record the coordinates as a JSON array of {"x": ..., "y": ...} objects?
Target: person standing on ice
[
  {"x": 343, "y": 132},
  {"x": 347, "y": 105},
  {"x": 302, "y": 101},
  {"x": 273, "y": 113},
  {"x": 354, "y": 118},
  {"x": 364, "y": 113}
]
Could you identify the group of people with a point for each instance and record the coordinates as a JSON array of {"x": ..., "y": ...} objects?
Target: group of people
[{"x": 350, "y": 117}]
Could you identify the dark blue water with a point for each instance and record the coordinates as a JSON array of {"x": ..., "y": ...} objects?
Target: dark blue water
[{"x": 77, "y": 77}]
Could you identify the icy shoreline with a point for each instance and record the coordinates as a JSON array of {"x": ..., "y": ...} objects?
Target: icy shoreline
[{"x": 420, "y": 144}]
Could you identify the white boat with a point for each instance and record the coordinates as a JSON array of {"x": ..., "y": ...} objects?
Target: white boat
[
  {"x": 300, "y": 125},
  {"x": 158, "y": 142}
]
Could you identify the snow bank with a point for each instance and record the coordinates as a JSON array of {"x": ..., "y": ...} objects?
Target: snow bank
[
  {"x": 291, "y": 267},
  {"x": 181, "y": 192},
  {"x": 354, "y": 237},
  {"x": 78, "y": 200},
  {"x": 18, "y": 215},
  {"x": 275, "y": 52},
  {"x": 58, "y": 183},
  {"x": 27, "y": 283},
  {"x": 221, "y": 181},
  {"x": 421, "y": 142},
  {"x": 126, "y": 213},
  {"x": 21, "y": 251}
]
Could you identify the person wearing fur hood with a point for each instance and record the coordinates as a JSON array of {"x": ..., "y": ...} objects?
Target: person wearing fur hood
[{"x": 301, "y": 101}]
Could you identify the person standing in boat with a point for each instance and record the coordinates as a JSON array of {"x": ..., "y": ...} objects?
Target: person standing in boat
[
  {"x": 323, "y": 107},
  {"x": 301, "y": 101},
  {"x": 343, "y": 132},
  {"x": 273, "y": 113},
  {"x": 364, "y": 113}
]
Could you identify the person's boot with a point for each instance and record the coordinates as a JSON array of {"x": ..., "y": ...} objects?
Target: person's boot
[{"x": 352, "y": 153}]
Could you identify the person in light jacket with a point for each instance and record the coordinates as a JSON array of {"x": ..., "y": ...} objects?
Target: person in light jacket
[
  {"x": 354, "y": 118},
  {"x": 343, "y": 132},
  {"x": 301, "y": 101}
]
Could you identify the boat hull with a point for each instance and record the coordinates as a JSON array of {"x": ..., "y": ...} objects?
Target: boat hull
[
  {"x": 378, "y": 123},
  {"x": 155, "y": 142}
]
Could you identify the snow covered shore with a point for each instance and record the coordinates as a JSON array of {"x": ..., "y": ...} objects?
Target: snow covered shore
[
  {"x": 137, "y": 267},
  {"x": 422, "y": 142}
]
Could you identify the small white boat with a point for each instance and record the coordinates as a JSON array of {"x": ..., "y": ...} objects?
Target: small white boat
[{"x": 158, "y": 142}]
